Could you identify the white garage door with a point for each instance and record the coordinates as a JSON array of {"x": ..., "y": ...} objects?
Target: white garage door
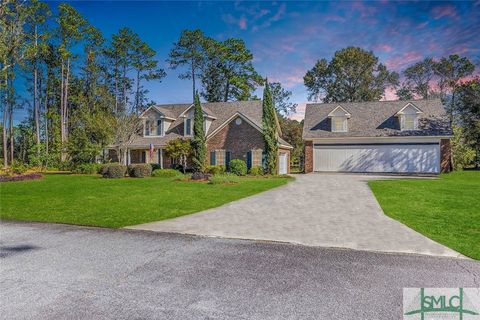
[{"x": 401, "y": 157}]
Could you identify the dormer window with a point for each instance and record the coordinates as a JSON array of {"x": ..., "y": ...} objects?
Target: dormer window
[
  {"x": 339, "y": 119},
  {"x": 408, "y": 117},
  {"x": 148, "y": 127},
  {"x": 339, "y": 124},
  {"x": 159, "y": 127},
  {"x": 188, "y": 126}
]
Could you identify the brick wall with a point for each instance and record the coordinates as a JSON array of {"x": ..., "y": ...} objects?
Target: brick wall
[
  {"x": 308, "y": 156},
  {"x": 238, "y": 139},
  {"x": 445, "y": 155}
]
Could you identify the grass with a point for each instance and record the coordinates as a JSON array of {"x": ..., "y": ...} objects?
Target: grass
[
  {"x": 446, "y": 210},
  {"x": 115, "y": 203}
]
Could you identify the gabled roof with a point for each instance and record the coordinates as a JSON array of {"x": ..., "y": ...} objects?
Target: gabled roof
[
  {"x": 409, "y": 106},
  {"x": 376, "y": 119},
  {"x": 338, "y": 110},
  {"x": 220, "y": 112}
]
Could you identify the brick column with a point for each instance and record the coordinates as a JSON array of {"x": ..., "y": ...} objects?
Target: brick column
[
  {"x": 308, "y": 162},
  {"x": 445, "y": 155}
]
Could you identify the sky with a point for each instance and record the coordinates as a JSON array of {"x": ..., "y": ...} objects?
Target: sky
[{"x": 287, "y": 38}]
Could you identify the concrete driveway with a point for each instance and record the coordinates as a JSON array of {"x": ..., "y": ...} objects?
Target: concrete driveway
[{"x": 328, "y": 210}]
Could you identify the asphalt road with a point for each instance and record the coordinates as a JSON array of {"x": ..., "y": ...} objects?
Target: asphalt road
[{"x": 66, "y": 272}]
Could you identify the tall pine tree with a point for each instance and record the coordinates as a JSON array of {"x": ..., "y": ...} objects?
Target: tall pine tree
[
  {"x": 199, "y": 147},
  {"x": 270, "y": 133}
]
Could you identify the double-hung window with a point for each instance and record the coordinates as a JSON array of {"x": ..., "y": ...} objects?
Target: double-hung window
[
  {"x": 409, "y": 121},
  {"x": 188, "y": 127},
  {"x": 147, "y": 127},
  {"x": 159, "y": 127},
  {"x": 339, "y": 124}
]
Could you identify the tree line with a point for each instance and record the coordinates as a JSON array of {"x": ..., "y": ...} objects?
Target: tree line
[{"x": 82, "y": 91}]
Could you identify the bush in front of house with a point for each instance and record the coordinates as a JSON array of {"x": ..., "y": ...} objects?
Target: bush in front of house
[
  {"x": 114, "y": 170},
  {"x": 155, "y": 166},
  {"x": 87, "y": 168},
  {"x": 256, "y": 171},
  {"x": 227, "y": 178},
  {"x": 139, "y": 170},
  {"x": 215, "y": 169},
  {"x": 166, "y": 173},
  {"x": 238, "y": 167}
]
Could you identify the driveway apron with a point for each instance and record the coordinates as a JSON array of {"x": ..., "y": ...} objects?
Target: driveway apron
[{"x": 328, "y": 210}]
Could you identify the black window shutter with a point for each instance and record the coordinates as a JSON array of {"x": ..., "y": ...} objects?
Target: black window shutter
[
  {"x": 249, "y": 159},
  {"x": 227, "y": 158},
  {"x": 212, "y": 158}
]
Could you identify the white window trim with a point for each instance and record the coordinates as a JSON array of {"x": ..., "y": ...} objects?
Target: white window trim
[
  {"x": 345, "y": 124},
  {"x": 162, "y": 131},
  {"x": 185, "y": 127}
]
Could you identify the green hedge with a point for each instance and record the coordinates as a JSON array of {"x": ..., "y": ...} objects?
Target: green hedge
[
  {"x": 114, "y": 170},
  {"x": 238, "y": 167},
  {"x": 87, "y": 168},
  {"x": 215, "y": 169},
  {"x": 140, "y": 170},
  {"x": 166, "y": 173},
  {"x": 256, "y": 171}
]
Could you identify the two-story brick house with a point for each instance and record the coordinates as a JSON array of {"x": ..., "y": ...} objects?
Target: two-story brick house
[{"x": 233, "y": 131}]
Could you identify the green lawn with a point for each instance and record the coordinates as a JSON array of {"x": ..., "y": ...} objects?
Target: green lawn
[
  {"x": 446, "y": 210},
  {"x": 114, "y": 203}
]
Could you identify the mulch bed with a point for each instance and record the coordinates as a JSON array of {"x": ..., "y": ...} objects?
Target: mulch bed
[{"x": 21, "y": 177}]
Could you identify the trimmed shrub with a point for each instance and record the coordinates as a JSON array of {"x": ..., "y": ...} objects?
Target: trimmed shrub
[
  {"x": 215, "y": 169},
  {"x": 166, "y": 173},
  {"x": 114, "y": 170},
  {"x": 256, "y": 171},
  {"x": 87, "y": 168},
  {"x": 22, "y": 177},
  {"x": 155, "y": 166},
  {"x": 238, "y": 167},
  {"x": 227, "y": 178},
  {"x": 140, "y": 170}
]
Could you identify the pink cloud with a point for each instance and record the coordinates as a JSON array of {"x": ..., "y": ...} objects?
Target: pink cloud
[
  {"x": 384, "y": 47},
  {"x": 399, "y": 61},
  {"x": 242, "y": 23},
  {"x": 445, "y": 11}
]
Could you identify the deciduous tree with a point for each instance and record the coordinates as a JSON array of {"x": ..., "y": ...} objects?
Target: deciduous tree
[{"x": 352, "y": 75}]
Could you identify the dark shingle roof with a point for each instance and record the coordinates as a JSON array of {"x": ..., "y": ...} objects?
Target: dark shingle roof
[
  {"x": 376, "y": 119},
  {"x": 221, "y": 111}
]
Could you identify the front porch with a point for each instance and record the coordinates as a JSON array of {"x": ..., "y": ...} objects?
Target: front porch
[{"x": 141, "y": 155}]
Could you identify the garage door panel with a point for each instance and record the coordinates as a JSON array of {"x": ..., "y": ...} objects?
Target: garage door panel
[{"x": 377, "y": 158}]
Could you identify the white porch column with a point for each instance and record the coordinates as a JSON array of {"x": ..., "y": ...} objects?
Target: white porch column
[
  {"x": 128, "y": 157},
  {"x": 160, "y": 157}
]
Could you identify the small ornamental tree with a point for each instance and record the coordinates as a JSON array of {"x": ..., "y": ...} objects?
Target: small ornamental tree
[
  {"x": 179, "y": 149},
  {"x": 270, "y": 133},
  {"x": 199, "y": 148}
]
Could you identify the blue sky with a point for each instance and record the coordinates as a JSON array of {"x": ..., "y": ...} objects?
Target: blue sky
[{"x": 286, "y": 38}]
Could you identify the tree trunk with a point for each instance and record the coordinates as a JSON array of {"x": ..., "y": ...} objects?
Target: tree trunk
[
  {"x": 46, "y": 126},
  {"x": 35, "y": 96},
  {"x": 66, "y": 98},
  {"x": 193, "y": 79},
  {"x": 138, "y": 91},
  {"x": 227, "y": 89},
  {"x": 11, "y": 132},
  {"x": 62, "y": 111},
  {"x": 4, "y": 127}
]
